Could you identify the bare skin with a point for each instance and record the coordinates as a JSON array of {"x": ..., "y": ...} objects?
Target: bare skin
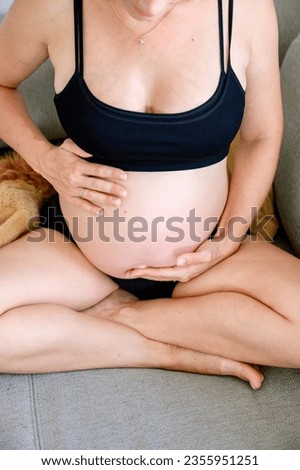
[
  {"x": 235, "y": 316},
  {"x": 60, "y": 329},
  {"x": 218, "y": 322}
]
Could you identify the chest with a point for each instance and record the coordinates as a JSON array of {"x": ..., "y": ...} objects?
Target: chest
[{"x": 176, "y": 69}]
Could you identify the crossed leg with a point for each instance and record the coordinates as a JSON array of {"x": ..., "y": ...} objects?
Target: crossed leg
[
  {"x": 48, "y": 321},
  {"x": 246, "y": 308}
]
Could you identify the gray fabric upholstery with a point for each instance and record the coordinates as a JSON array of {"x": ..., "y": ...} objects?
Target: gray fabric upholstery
[
  {"x": 287, "y": 181},
  {"x": 4, "y": 5},
  {"x": 38, "y": 92},
  {"x": 17, "y": 416},
  {"x": 288, "y": 12},
  {"x": 149, "y": 409}
]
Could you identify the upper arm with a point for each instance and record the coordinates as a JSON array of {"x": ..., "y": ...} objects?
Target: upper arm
[
  {"x": 23, "y": 41},
  {"x": 263, "y": 110}
]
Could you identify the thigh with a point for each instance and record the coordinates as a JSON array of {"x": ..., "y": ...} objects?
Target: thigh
[
  {"x": 258, "y": 269},
  {"x": 44, "y": 267}
]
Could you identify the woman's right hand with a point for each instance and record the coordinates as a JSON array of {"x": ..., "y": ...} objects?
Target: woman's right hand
[{"x": 89, "y": 186}]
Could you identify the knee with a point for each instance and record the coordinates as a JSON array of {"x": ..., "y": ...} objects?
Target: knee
[{"x": 24, "y": 334}]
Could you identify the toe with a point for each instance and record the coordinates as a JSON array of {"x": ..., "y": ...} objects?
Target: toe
[{"x": 243, "y": 371}]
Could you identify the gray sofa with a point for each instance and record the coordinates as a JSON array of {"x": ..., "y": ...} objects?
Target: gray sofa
[{"x": 155, "y": 409}]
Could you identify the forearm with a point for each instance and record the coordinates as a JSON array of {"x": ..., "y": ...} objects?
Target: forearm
[
  {"x": 253, "y": 173},
  {"x": 19, "y": 131}
]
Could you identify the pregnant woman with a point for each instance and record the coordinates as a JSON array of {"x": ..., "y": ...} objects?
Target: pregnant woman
[{"x": 150, "y": 93}]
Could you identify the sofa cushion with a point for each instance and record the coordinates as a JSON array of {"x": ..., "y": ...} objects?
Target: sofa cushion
[
  {"x": 4, "y": 6},
  {"x": 287, "y": 181},
  {"x": 148, "y": 409},
  {"x": 288, "y": 13}
]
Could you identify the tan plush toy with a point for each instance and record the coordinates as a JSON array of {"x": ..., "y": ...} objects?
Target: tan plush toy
[{"x": 22, "y": 193}]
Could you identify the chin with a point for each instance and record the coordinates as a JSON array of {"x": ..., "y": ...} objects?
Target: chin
[{"x": 144, "y": 14}]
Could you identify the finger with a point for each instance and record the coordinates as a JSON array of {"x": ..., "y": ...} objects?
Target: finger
[
  {"x": 153, "y": 278},
  {"x": 100, "y": 199},
  {"x": 204, "y": 256},
  {"x": 70, "y": 146},
  {"x": 164, "y": 274},
  {"x": 104, "y": 171},
  {"x": 163, "y": 278},
  {"x": 103, "y": 186},
  {"x": 86, "y": 206},
  {"x": 75, "y": 179},
  {"x": 94, "y": 169}
]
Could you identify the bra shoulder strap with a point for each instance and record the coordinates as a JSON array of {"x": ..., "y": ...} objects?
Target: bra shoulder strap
[
  {"x": 221, "y": 31},
  {"x": 221, "y": 35},
  {"x": 230, "y": 24},
  {"x": 78, "y": 34}
]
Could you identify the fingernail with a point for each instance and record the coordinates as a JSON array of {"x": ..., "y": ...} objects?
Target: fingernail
[
  {"x": 181, "y": 262},
  {"x": 254, "y": 387},
  {"x": 116, "y": 202},
  {"x": 123, "y": 176},
  {"x": 123, "y": 192}
]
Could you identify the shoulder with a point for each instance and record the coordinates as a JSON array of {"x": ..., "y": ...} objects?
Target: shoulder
[
  {"x": 35, "y": 18},
  {"x": 25, "y": 33},
  {"x": 256, "y": 22},
  {"x": 257, "y": 18},
  {"x": 27, "y": 7},
  {"x": 255, "y": 10}
]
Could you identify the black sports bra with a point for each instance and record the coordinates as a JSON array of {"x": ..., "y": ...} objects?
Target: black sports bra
[{"x": 136, "y": 141}]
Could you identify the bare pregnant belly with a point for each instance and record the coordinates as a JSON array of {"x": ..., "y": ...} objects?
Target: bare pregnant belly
[{"x": 164, "y": 215}]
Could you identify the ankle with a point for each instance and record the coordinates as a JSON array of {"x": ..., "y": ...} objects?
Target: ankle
[{"x": 161, "y": 355}]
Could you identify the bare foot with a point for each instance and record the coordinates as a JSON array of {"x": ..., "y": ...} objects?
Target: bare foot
[
  {"x": 115, "y": 308},
  {"x": 112, "y": 304},
  {"x": 208, "y": 364}
]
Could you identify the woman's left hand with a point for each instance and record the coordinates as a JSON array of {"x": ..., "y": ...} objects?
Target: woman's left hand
[{"x": 190, "y": 265}]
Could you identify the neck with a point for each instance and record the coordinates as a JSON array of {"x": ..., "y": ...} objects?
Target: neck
[
  {"x": 133, "y": 29},
  {"x": 149, "y": 12}
]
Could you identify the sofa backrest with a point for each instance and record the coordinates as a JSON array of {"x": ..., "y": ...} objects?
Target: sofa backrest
[
  {"x": 4, "y": 6},
  {"x": 287, "y": 180},
  {"x": 288, "y": 13}
]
